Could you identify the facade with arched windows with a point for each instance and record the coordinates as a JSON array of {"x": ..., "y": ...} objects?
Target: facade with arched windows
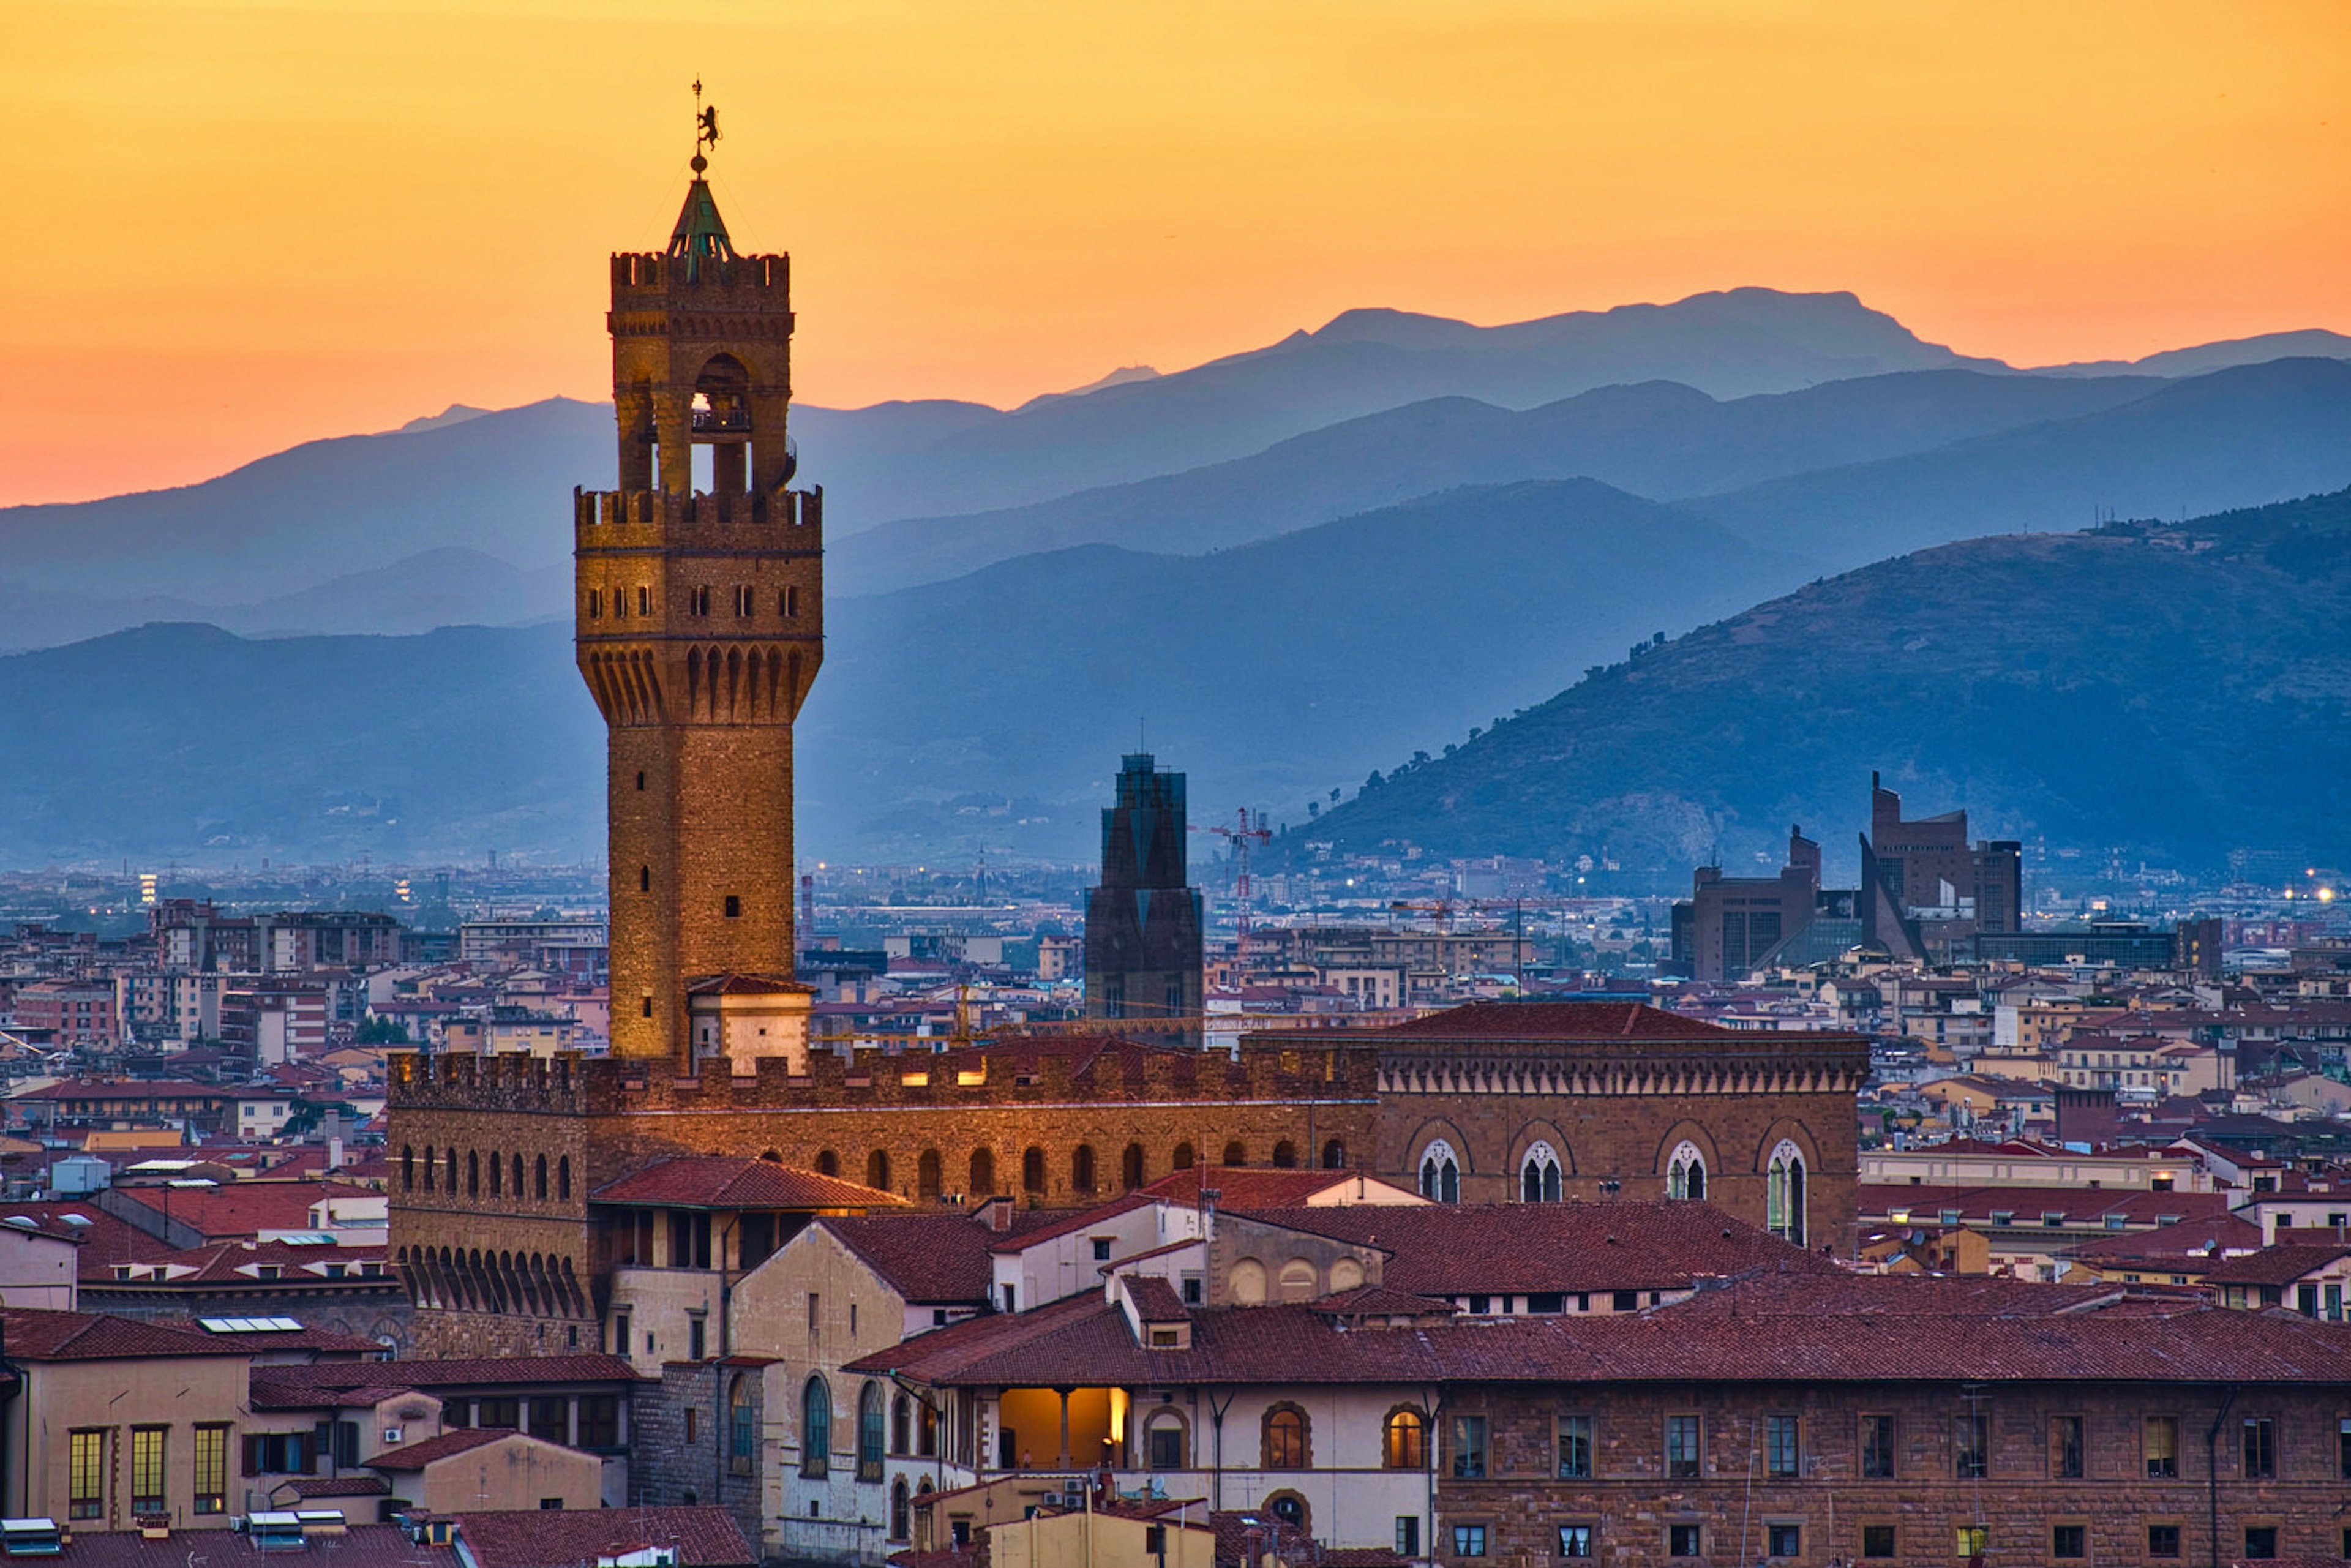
[{"x": 1545, "y": 1103}]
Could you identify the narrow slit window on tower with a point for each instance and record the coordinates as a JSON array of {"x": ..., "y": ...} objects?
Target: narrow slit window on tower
[
  {"x": 744, "y": 601},
  {"x": 734, "y": 907},
  {"x": 788, "y": 602},
  {"x": 649, "y": 1004},
  {"x": 595, "y": 605},
  {"x": 699, "y": 602},
  {"x": 620, "y": 604},
  {"x": 644, "y": 879},
  {"x": 645, "y": 600},
  {"x": 641, "y": 778}
]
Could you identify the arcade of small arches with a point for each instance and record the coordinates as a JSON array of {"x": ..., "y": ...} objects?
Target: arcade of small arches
[
  {"x": 473, "y": 1175},
  {"x": 461, "y": 1279},
  {"x": 1085, "y": 1171}
]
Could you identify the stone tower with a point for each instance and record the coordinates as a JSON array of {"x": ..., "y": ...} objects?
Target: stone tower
[
  {"x": 700, "y": 628},
  {"x": 1143, "y": 924}
]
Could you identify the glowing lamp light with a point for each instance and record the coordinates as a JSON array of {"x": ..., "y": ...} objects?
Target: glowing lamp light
[{"x": 2325, "y": 896}]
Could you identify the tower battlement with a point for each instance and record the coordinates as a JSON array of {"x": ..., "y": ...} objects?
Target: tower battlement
[
  {"x": 1015, "y": 1073},
  {"x": 649, "y": 277},
  {"x": 644, "y": 520}
]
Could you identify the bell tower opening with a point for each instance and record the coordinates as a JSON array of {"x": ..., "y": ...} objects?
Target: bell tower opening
[{"x": 699, "y": 705}]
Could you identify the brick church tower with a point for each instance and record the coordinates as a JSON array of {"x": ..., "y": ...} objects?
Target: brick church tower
[{"x": 700, "y": 631}]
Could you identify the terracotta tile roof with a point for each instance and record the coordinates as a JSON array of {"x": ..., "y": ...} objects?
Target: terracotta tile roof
[
  {"x": 1068, "y": 1222},
  {"x": 2280, "y": 1265},
  {"x": 2191, "y": 1240},
  {"x": 1593, "y": 1022},
  {"x": 933, "y": 1258},
  {"x": 1449, "y": 1249},
  {"x": 1378, "y": 1301},
  {"x": 359, "y": 1546},
  {"x": 1771, "y": 1328},
  {"x": 561, "y": 1538},
  {"x": 464, "y": 1439},
  {"x": 307, "y": 1487},
  {"x": 287, "y": 1384},
  {"x": 2079, "y": 1205},
  {"x": 226, "y": 1213},
  {"x": 1252, "y": 1186},
  {"x": 34, "y": 1335},
  {"x": 745, "y": 985},
  {"x": 1156, "y": 1300},
  {"x": 105, "y": 1240},
  {"x": 727, "y": 1181}
]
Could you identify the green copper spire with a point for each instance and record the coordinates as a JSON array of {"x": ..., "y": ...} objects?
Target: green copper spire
[{"x": 701, "y": 233}]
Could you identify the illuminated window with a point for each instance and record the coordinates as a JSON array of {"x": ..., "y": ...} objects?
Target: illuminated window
[
  {"x": 147, "y": 1444},
  {"x": 212, "y": 1469},
  {"x": 88, "y": 1496}
]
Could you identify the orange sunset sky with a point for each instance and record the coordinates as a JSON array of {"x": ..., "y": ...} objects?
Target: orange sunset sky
[{"x": 236, "y": 224}]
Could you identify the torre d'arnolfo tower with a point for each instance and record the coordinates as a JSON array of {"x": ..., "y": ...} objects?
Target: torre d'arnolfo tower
[{"x": 700, "y": 630}]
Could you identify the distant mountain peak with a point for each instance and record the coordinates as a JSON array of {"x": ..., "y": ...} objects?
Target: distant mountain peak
[
  {"x": 455, "y": 414},
  {"x": 1119, "y": 376}
]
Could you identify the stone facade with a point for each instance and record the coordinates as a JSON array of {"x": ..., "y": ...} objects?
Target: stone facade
[
  {"x": 520, "y": 1268},
  {"x": 700, "y": 625},
  {"x": 2023, "y": 1498}
]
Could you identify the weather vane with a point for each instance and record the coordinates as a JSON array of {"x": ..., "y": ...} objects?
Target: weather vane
[{"x": 706, "y": 128}]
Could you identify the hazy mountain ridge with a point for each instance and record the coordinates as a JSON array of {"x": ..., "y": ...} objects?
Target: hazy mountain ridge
[
  {"x": 1659, "y": 439},
  {"x": 298, "y": 522},
  {"x": 2169, "y": 690},
  {"x": 944, "y": 714}
]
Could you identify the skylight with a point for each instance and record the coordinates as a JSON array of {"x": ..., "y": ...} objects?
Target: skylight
[{"x": 249, "y": 1325}]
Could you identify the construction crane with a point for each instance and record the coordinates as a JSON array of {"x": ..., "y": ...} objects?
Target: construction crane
[{"x": 1245, "y": 828}]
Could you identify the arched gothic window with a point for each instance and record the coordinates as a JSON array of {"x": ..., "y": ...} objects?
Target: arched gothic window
[
  {"x": 902, "y": 1426},
  {"x": 1406, "y": 1444},
  {"x": 743, "y": 1425},
  {"x": 869, "y": 1433},
  {"x": 1538, "y": 1174},
  {"x": 497, "y": 1174},
  {"x": 983, "y": 1174},
  {"x": 1440, "y": 1173},
  {"x": 1285, "y": 1438},
  {"x": 926, "y": 1176},
  {"x": 473, "y": 1176},
  {"x": 408, "y": 1166},
  {"x": 901, "y": 1511},
  {"x": 1285, "y": 1155},
  {"x": 1081, "y": 1168},
  {"x": 1784, "y": 1193},
  {"x": 1236, "y": 1154},
  {"x": 827, "y": 1163},
  {"x": 1334, "y": 1155},
  {"x": 816, "y": 1428},
  {"x": 538, "y": 1182},
  {"x": 518, "y": 1176},
  {"x": 1183, "y": 1161},
  {"x": 877, "y": 1169},
  {"x": 563, "y": 1179},
  {"x": 1130, "y": 1167},
  {"x": 451, "y": 1157},
  {"x": 1686, "y": 1173},
  {"x": 1032, "y": 1171}
]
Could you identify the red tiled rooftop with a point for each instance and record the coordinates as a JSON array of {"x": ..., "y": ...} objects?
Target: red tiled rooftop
[
  {"x": 464, "y": 1439},
  {"x": 727, "y": 1181},
  {"x": 705, "y": 1537},
  {"x": 1447, "y": 1249},
  {"x": 33, "y": 1335},
  {"x": 579, "y": 1366},
  {"x": 220, "y": 1213},
  {"x": 1598, "y": 1022},
  {"x": 2279, "y": 1265},
  {"x": 360, "y": 1546},
  {"x": 1773, "y": 1328},
  {"x": 932, "y": 1258},
  {"x": 1255, "y": 1187}
]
